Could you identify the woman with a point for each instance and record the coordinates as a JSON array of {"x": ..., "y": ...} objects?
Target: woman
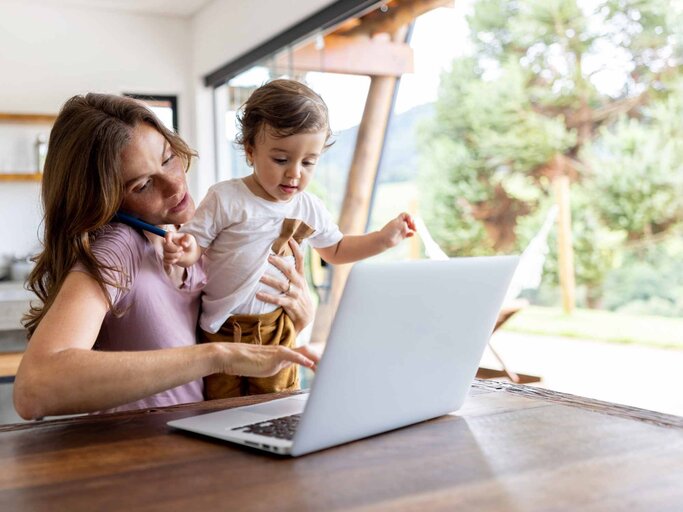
[{"x": 115, "y": 329}]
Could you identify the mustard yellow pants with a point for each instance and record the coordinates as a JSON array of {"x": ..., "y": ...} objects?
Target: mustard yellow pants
[{"x": 274, "y": 328}]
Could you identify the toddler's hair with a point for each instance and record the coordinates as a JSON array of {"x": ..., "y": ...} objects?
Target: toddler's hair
[{"x": 286, "y": 107}]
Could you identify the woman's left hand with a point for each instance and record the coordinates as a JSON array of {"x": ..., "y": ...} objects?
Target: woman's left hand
[{"x": 295, "y": 298}]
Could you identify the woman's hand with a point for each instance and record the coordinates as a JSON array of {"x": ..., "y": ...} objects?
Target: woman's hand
[
  {"x": 262, "y": 360},
  {"x": 295, "y": 298}
]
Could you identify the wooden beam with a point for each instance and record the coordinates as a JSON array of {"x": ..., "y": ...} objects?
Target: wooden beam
[
  {"x": 377, "y": 56},
  {"x": 396, "y": 14},
  {"x": 564, "y": 240},
  {"x": 364, "y": 166},
  {"x": 360, "y": 185}
]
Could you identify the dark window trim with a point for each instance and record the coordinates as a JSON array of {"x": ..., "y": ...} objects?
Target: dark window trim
[
  {"x": 325, "y": 18},
  {"x": 173, "y": 100}
]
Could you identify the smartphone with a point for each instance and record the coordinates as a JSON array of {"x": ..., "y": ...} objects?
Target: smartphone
[{"x": 137, "y": 223}]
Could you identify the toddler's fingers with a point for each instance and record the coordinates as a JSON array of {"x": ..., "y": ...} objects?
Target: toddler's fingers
[
  {"x": 408, "y": 219},
  {"x": 169, "y": 242}
]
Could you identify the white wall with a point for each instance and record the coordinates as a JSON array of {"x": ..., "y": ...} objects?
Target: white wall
[
  {"x": 48, "y": 54},
  {"x": 225, "y": 29}
]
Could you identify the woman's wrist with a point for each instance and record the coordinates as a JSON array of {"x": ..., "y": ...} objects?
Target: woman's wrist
[
  {"x": 300, "y": 323},
  {"x": 216, "y": 356}
]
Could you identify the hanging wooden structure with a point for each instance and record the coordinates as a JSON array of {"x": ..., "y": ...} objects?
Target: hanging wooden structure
[{"x": 372, "y": 45}]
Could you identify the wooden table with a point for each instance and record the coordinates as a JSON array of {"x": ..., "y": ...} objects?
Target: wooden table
[{"x": 511, "y": 448}]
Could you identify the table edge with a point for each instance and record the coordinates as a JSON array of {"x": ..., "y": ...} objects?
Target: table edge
[
  {"x": 623, "y": 411},
  {"x": 489, "y": 385}
]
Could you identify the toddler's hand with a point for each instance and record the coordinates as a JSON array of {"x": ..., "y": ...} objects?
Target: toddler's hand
[
  {"x": 398, "y": 229},
  {"x": 176, "y": 245}
]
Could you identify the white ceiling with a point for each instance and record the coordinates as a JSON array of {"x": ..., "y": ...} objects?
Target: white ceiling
[{"x": 180, "y": 8}]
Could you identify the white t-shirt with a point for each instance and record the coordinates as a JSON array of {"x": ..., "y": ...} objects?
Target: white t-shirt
[{"x": 238, "y": 229}]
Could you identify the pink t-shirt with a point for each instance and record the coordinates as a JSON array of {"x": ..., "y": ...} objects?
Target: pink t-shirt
[{"x": 157, "y": 314}]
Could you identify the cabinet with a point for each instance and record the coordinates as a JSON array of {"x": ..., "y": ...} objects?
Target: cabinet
[{"x": 17, "y": 136}]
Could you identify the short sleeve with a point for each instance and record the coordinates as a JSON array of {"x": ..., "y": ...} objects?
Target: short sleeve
[
  {"x": 117, "y": 250},
  {"x": 208, "y": 220},
  {"x": 327, "y": 232}
]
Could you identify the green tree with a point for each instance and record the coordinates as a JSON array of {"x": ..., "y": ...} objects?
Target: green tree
[
  {"x": 637, "y": 170},
  {"x": 550, "y": 88}
]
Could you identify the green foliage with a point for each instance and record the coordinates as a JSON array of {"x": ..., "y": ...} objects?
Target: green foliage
[
  {"x": 590, "y": 88},
  {"x": 485, "y": 134},
  {"x": 648, "y": 279},
  {"x": 494, "y": 121},
  {"x": 596, "y": 248},
  {"x": 599, "y": 325},
  {"x": 450, "y": 218},
  {"x": 638, "y": 177},
  {"x": 638, "y": 169}
]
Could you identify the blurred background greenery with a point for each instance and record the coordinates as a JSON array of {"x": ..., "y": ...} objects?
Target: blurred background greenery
[{"x": 591, "y": 90}]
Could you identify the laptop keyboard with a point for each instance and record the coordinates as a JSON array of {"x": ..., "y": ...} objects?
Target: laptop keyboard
[{"x": 281, "y": 428}]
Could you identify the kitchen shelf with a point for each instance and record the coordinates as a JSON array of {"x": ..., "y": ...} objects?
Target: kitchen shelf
[
  {"x": 27, "y": 118},
  {"x": 35, "y": 119},
  {"x": 19, "y": 176}
]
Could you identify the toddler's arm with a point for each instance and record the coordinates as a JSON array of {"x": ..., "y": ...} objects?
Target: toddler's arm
[
  {"x": 181, "y": 249},
  {"x": 357, "y": 247}
]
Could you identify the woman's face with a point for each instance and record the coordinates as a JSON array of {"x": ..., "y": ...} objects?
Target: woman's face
[{"x": 154, "y": 184}]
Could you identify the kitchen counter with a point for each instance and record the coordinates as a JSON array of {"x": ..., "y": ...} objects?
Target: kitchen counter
[{"x": 14, "y": 302}]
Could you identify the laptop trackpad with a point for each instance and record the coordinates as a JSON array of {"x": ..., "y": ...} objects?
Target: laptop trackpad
[{"x": 278, "y": 408}]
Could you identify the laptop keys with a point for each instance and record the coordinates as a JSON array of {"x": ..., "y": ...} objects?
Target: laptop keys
[{"x": 280, "y": 428}]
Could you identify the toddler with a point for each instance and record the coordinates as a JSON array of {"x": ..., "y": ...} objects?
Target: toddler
[{"x": 243, "y": 221}]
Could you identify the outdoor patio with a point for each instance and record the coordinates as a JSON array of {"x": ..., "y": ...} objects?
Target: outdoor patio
[{"x": 627, "y": 374}]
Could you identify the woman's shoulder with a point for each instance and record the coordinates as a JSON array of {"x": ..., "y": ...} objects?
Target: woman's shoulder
[
  {"x": 117, "y": 250},
  {"x": 119, "y": 245},
  {"x": 118, "y": 235}
]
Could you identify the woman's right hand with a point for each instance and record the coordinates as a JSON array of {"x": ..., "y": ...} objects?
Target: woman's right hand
[
  {"x": 262, "y": 360},
  {"x": 295, "y": 297}
]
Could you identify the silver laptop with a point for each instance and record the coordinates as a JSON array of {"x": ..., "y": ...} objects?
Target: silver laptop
[{"x": 404, "y": 347}]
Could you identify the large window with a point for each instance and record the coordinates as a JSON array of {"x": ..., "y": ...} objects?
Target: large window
[
  {"x": 165, "y": 107},
  {"x": 513, "y": 108}
]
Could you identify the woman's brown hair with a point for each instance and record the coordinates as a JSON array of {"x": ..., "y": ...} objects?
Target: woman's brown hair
[
  {"x": 82, "y": 188},
  {"x": 286, "y": 107}
]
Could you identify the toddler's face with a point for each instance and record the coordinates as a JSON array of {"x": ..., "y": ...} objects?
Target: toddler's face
[{"x": 284, "y": 166}]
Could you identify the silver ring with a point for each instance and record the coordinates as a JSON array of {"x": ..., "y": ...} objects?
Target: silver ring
[{"x": 289, "y": 287}]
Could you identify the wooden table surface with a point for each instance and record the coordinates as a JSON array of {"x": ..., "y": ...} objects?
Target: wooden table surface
[{"x": 510, "y": 448}]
